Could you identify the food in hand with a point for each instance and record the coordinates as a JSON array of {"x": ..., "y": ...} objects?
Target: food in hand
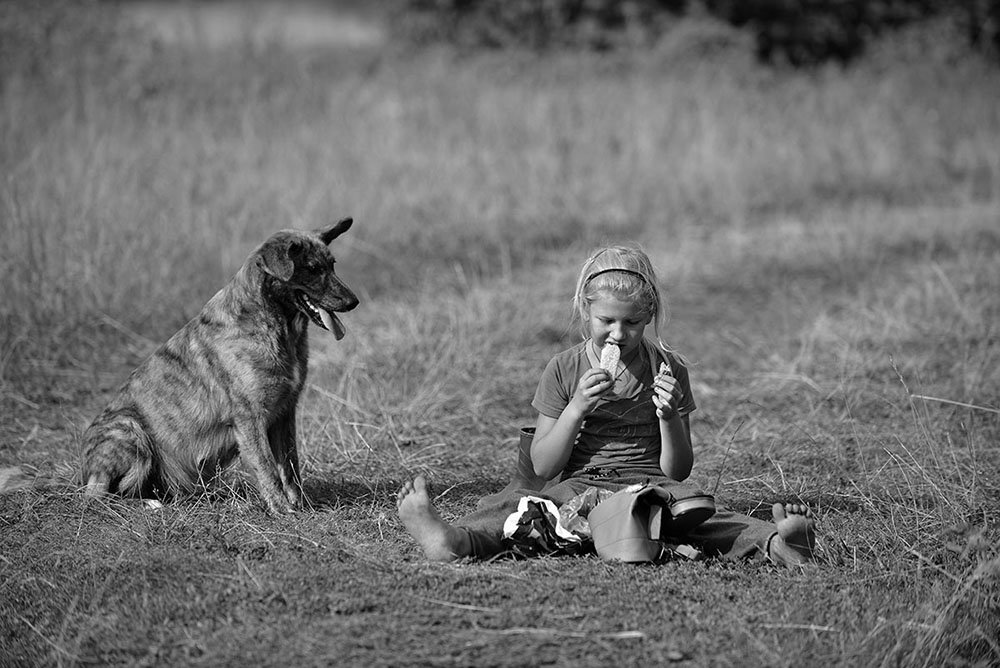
[
  {"x": 660, "y": 406},
  {"x": 610, "y": 355}
]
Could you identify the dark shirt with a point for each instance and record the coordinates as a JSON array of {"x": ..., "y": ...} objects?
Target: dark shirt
[{"x": 622, "y": 432}]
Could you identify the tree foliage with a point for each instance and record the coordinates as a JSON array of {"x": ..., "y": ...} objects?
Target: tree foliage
[{"x": 801, "y": 32}]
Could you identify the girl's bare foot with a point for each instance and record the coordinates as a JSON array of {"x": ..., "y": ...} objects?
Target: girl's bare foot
[
  {"x": 795, "y": 542},
  {"x": 439, "y": 540}
]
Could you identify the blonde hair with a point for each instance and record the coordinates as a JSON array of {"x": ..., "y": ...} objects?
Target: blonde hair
[{"x": 626, "y": 273}]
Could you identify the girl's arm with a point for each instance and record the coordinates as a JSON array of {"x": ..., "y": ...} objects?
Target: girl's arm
[
  {"x": 555, "y": 437},
  {"x": 676, "y": 454}
]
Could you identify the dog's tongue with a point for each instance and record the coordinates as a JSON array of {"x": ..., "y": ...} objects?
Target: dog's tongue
[{"x": 332, "y": 323}]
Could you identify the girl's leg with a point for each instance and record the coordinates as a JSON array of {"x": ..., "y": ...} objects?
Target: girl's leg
[
  {"x": 795, "y": 542},
  {"x": 479, "y": 534},
  {"x": 439, "y": 540},
  {"x": 789, "y": 540}
]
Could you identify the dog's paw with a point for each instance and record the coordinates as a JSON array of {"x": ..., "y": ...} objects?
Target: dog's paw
[
  {"x": 294, "y": 496},
  {"x": 279, "y": 506}
]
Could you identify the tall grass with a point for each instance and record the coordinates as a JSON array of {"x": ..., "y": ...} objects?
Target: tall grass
[{"x": 123, "y": 169}]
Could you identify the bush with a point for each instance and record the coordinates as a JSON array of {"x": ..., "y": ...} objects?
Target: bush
[
  {"x": 806, "y": 32},
  {"x": 801, "y": 32}
]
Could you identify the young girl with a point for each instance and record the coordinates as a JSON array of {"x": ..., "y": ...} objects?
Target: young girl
[{"x": 610, "y": 429}]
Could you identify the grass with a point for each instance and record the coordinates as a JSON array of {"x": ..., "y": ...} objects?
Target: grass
[{"x": 828, "y": 241}]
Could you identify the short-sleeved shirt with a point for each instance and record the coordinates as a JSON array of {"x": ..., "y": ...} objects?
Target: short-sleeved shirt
[{"x": 622, "y": 432}]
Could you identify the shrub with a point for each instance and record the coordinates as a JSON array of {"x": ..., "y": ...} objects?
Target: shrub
[{"x": 801, "y": 32}]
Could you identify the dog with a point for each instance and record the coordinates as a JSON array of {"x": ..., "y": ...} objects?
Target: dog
[{"x": 226, "y": 384}]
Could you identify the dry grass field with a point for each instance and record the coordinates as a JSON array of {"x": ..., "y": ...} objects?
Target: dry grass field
[{"x": 829, "y": 241}]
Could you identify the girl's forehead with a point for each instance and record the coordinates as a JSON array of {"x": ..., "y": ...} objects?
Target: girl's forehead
[{"x": 607, "y": 305}]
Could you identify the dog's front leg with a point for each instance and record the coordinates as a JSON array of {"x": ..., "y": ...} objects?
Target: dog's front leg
[
  {"x": 251, "y": 438},
  {"x": 281, "y": 435}
]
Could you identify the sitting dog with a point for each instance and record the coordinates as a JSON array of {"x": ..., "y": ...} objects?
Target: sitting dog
[{"x": 227, "y": 383}]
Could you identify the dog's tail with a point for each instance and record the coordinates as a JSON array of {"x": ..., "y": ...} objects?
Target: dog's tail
[{"x": 118, "y": 455}]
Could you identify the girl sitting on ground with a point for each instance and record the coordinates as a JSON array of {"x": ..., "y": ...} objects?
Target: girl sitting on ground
[{"x": 610, "y": 429}]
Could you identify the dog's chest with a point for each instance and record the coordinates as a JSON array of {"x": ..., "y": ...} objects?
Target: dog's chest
[
  {"x": 295, "y": 377},
  {"x": 288, "y": 375},
  {"x": 260, "y": 367}
]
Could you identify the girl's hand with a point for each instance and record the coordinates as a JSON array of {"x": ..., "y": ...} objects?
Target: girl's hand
[
  {"x": 593, "y": 384},
  {"x": 666, "y": 395}
]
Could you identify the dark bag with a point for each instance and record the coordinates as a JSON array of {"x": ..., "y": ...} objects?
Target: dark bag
[{"x": 633, "y": 524}]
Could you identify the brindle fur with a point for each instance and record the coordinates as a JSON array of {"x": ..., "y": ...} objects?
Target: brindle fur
[{"x": 226, "y": 384}]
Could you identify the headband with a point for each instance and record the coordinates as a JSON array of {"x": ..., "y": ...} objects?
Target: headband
[{"x": 624, "y": 271}]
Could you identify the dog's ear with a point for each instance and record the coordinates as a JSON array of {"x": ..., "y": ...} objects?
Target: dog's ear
[
  {"x": 330, "y": 233},
  {"x": 277, "y": 258}
]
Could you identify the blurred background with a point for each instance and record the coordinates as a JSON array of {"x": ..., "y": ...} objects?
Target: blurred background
[
  {"x": 141, "y": 137},
  {"x": 766, "y": 153}
]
